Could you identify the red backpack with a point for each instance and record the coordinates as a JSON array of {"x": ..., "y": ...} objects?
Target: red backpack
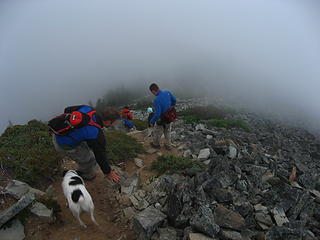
[
  {"x": 170, "y": 115},
  {"x": 63, "y": 124}
]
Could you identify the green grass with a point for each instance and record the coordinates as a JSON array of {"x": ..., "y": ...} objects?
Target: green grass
[
  {"x": 220, "y": 123},
  {"x": 140, "y": 124},
  {"x": 191, "y": 119},
  {"x": 27, "y": 152},
  {"x": 172, "y": 164},
  {"x": 194, "y": 114},
  {"x": 120, "y": 146}
]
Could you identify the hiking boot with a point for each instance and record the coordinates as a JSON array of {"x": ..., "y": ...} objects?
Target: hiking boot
[{"x": 154, "y": 146}]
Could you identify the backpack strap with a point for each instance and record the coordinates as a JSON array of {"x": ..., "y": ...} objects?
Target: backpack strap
[{"x": 91, "y": 122}]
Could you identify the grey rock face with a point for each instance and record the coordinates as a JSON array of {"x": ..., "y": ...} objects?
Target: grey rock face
[
  {"x": 15, "y": 231},
  {"x": 10, "y": 212},
  {"x": 147, "y": 222},
  {"x": 204, "y": 222}
]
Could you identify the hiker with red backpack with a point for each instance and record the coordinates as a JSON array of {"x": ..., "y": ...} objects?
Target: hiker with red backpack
[
  {"x": 78, "y": 133},
  {"x": 126, "y": 114},
  {"x": 163, "y": 116}
]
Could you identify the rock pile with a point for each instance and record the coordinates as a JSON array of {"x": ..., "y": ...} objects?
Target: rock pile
[{"x": 262, "y": 184}]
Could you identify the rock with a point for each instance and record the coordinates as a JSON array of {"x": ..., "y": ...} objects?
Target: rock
[
  {"x": 139, "y": 204},
  {"x": 158, "y": 206},
  {"x": 14, "y": 231},
  {"x": 17, "y": 189},
  {"x": 152, "y": 150},
  {"x": 242, "y": 185},
  {"x": 264, "y": 218},
  {"x": 283, "y": 233},
  {"x": 209, "y": 137},
  {"x": 42, "y": 211},
  {"x": 10, "y": 212},
  {"x": 279, "y": 216},
  {"x": 221, "y": 195},
  {"x": 200, "y": 127},
  {"x": 131, "y": 184},
  {"x": 204, "y": 222},
  {"x": 187, "y": 153},
  {"x": 147, "y": 221},
  {"x": 199, "y": 236},
  {"x": 260, "y": 208},
  {"x": 231, "y": 235},
  {"x": 167, "y": 233},
  {"x": 204, "y": 154},
  {"x": 129, "y": 212},
  {"x": 207, "y": 162},
  {"x": 50, "y": 192},
  {"x": 228, "y": 219},
  {"x": 138, "y": 162},
  {"x": 232, "y": 152}
]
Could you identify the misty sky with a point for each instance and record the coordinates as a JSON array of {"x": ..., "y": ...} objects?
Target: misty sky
[{"x": 261, "y": 54}]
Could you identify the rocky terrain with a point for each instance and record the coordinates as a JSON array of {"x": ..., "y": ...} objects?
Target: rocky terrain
[{"x": 262, "y": 184}]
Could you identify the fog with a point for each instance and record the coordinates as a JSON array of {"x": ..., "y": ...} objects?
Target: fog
[{"x": 264, "y": 55}]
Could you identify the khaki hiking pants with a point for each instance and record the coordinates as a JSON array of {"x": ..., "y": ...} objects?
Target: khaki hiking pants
[
  {"x": 158, "y": 130},
  {"x": 82, "y": 155}
]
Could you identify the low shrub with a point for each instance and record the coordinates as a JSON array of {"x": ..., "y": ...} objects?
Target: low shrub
[
  {"x": 28, "y": 153},
  {"x": 140, "y": 124},
  {"x": 172, "y": 164},
  {"x": 203, "y": 113},
  {"x": 229, "y": 124},
  {"x": 120, "y": 146}
]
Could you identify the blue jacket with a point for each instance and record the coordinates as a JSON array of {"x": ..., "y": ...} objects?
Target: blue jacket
[
  {"x": 78, "y": 135},
  {"x": 163, "y": 101}
]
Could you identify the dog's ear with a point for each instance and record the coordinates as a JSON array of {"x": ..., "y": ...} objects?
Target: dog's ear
[
  {"x": 64, "y": 172},
  {"x": 79, "y": 172}
]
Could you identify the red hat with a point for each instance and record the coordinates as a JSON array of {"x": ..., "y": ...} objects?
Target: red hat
[{"x": 75, "y": 118}]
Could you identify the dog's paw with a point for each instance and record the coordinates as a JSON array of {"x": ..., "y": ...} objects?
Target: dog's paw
[{"x": 83, "y": 226}]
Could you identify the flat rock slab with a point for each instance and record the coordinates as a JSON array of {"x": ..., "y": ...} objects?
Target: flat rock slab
[
  {"x": 42, "y": 211},
  {"x": 17, "y": 189},
  {"x": 10, "y": 212},
  {"x": 228, "y": 219},
  {"x": 13, "y": 232},
  {"x": 199, "y": 236}
]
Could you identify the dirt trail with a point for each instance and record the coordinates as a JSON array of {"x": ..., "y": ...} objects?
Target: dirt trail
[{"x": 108, "y": 205}]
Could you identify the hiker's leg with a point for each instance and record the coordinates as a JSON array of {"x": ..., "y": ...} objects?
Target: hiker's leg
[
  {"x": 85, "y": 159},
  {"x": 167, "y": 134},
  {"x": 156, "y": 134},
  {"x": 82, "y": 155}
]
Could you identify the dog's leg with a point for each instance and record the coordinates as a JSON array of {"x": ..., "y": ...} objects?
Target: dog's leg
[
  {"x": 77, "y": 216},
  {"x": 92, "y": 217}
]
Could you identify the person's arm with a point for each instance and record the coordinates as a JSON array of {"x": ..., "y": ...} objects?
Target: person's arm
[
  {"x": 157, "y": 112},
  {"x": 173, "y": 100},
  {"x": 72, "y": 108},
  {"x": 98, "y": 146}
]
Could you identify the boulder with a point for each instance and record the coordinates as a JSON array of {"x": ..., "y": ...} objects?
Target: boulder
[
  {"x": 14, "y": 231},
  {"x": 228, "y": 219}
]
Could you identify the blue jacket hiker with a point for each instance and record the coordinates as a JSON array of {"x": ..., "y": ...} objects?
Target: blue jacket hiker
[{"x": 81, "y": 137}]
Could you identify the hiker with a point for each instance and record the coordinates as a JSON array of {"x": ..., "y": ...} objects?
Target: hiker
[
  {"x": 115, "y": 122},
  {"x": 78, "y": 134},
  {"x": 150, "y": 112},
  {"x": 164, "y": 114},
  {"x": 126, "y": 114}
]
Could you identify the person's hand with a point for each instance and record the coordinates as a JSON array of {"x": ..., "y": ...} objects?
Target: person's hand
[{"x": 113, "y": 176}]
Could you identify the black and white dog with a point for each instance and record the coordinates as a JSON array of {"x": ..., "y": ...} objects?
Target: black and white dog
[{"x": 78, "y": 198}]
